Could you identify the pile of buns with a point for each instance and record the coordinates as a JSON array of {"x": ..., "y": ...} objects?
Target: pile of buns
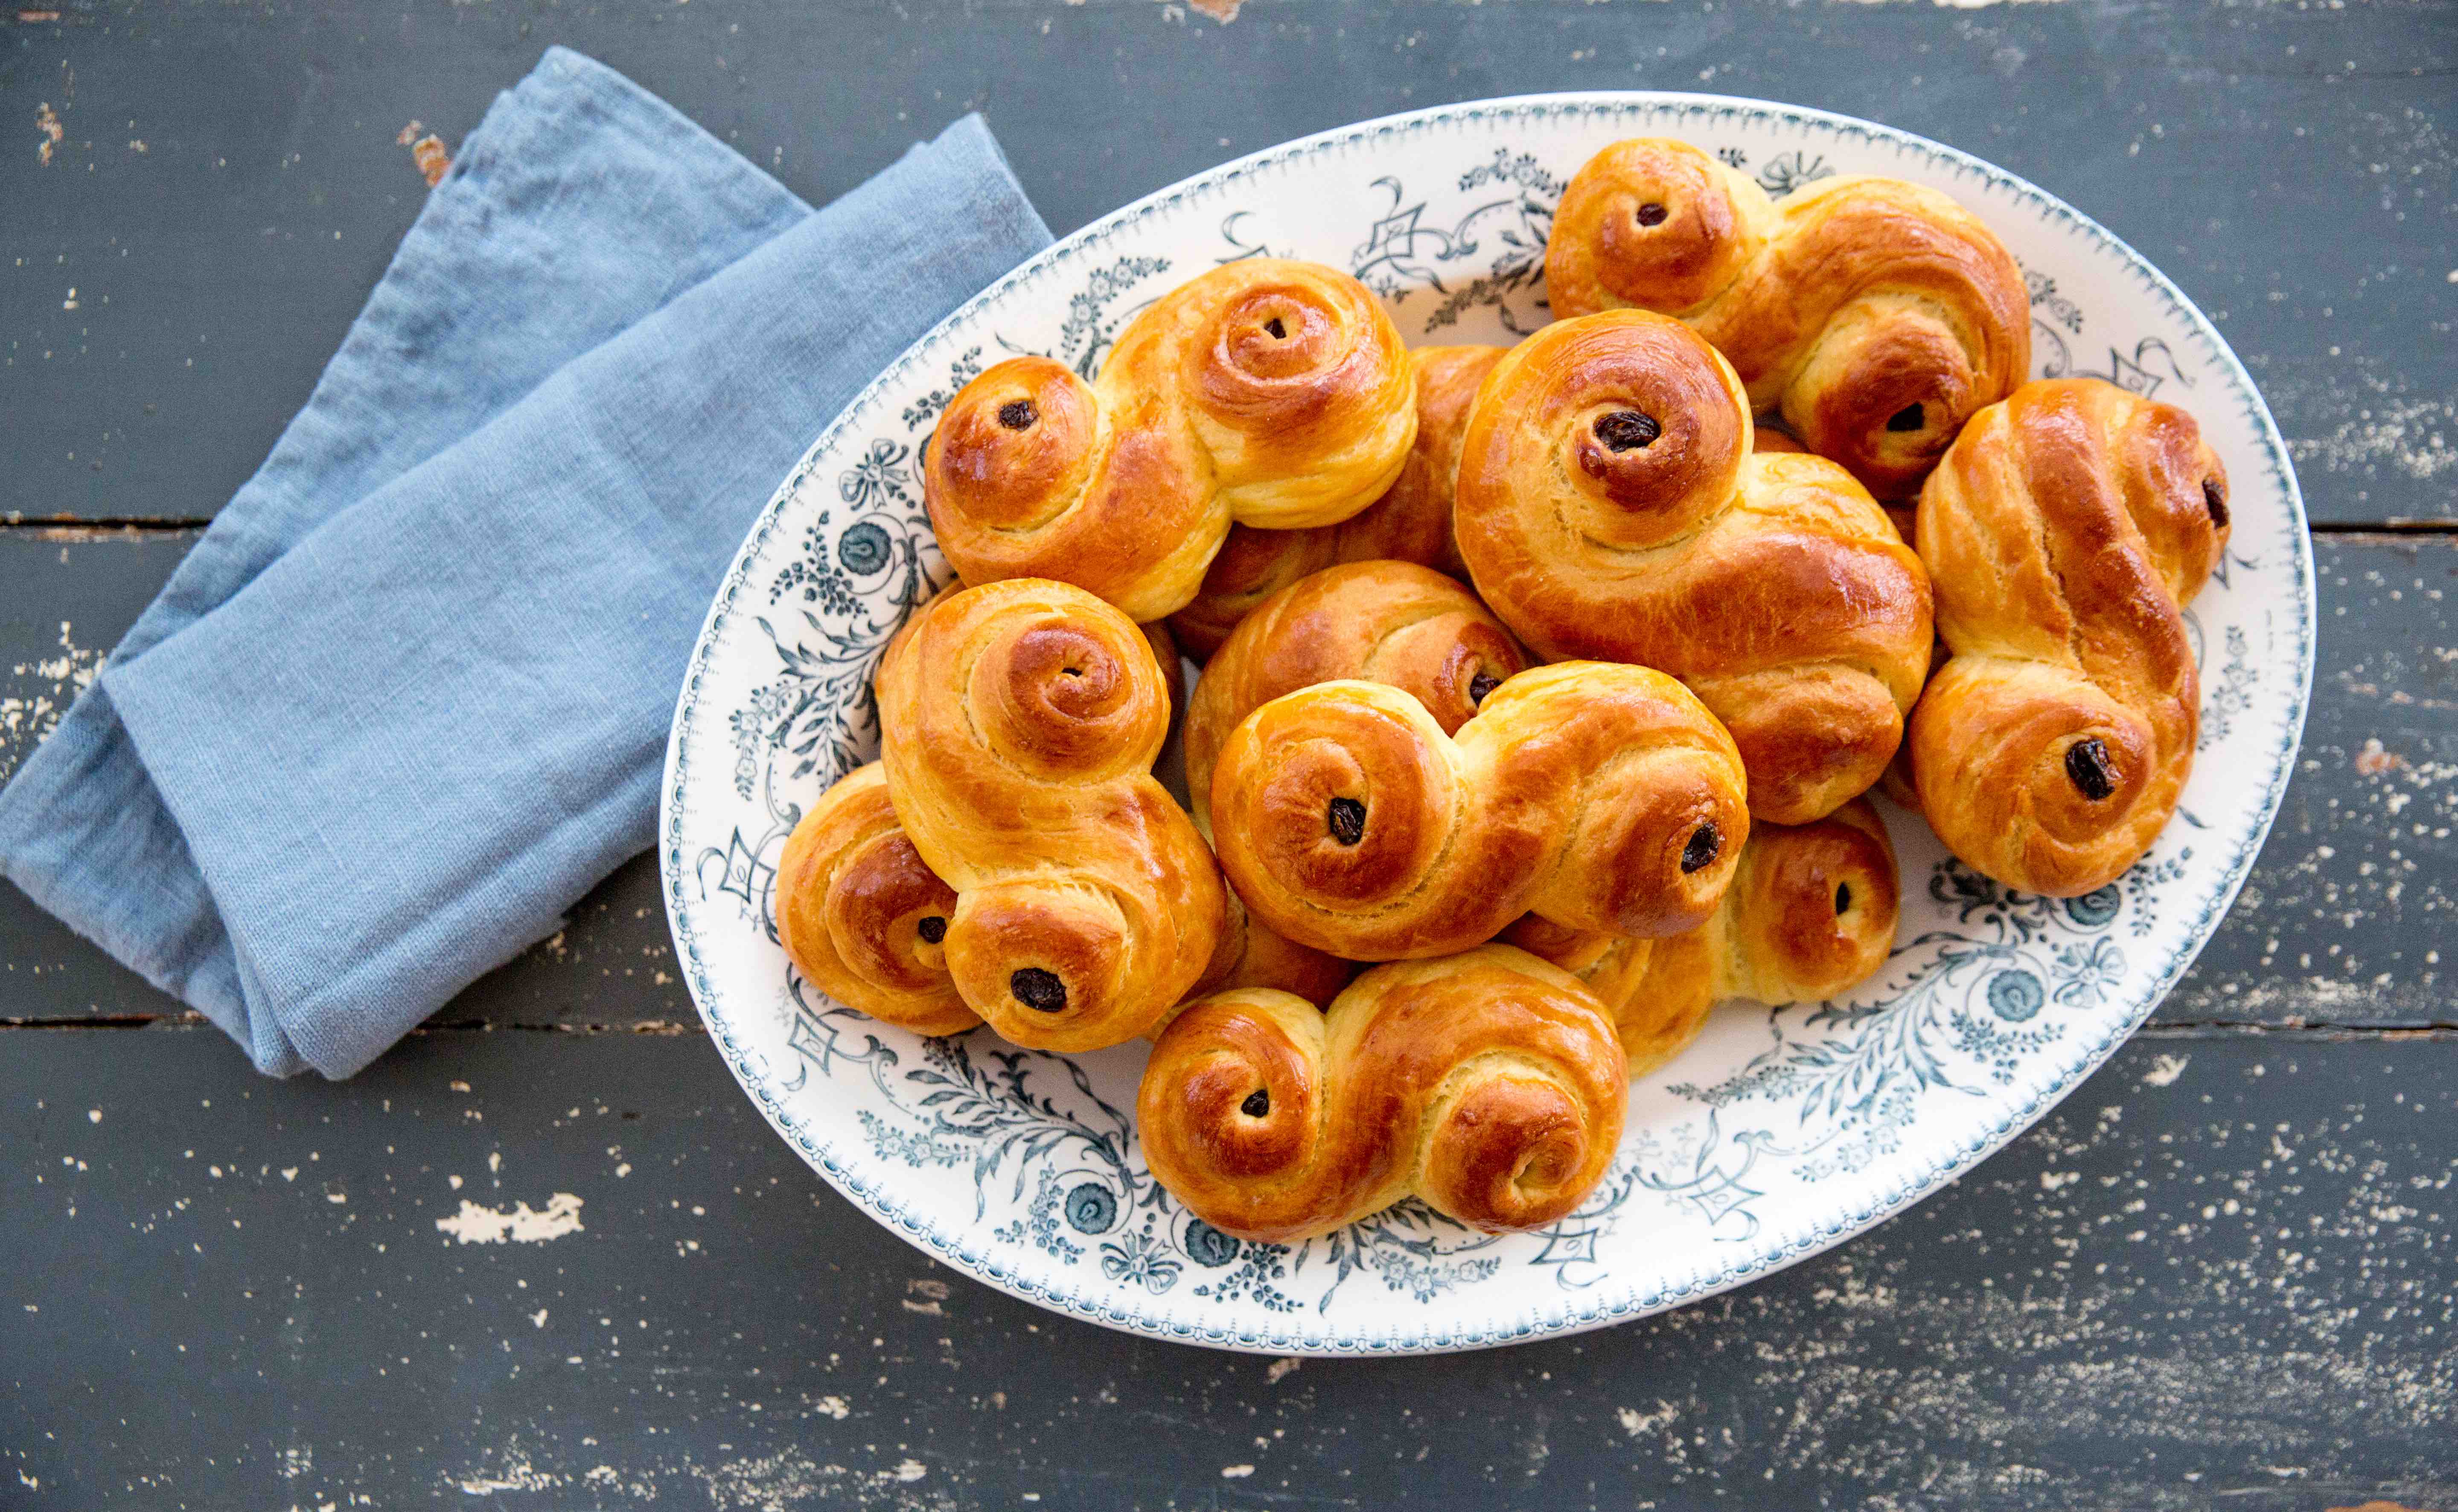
[{"x": 1542, "y": 686}]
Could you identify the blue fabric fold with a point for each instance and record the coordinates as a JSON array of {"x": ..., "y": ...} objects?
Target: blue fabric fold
[{"x": 407, "y": 698}]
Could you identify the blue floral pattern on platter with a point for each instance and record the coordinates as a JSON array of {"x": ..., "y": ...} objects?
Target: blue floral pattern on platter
[{"x": 1780, "y": 1132}]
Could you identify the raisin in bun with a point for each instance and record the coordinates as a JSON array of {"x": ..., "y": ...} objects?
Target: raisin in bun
[
  {"x": 1387, "y": 622},
  {"x": 862, "y": 917}
]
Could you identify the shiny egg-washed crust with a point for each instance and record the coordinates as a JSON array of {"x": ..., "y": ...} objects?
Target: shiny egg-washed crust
[
  {"x": 1387, "y": 622},
  {"x": 1769, "y": 582},
  {"x": 1858, "y": 300},
  {"x": 1265, "y": 392},
  {"x": 1597, "y": 794},
  {"x": 1018, "y": 723},
  {"x": 2065, "y": 532},
  {"x": 1811, "y": 913},
  {"x": 1410, "y": 522},
  {"x": 853, "y": 901},
  {"x": 1252, "y": 954},
  {"x": 1489, "y": 1084}
]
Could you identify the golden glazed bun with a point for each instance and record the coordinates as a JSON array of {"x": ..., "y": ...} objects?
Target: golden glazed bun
[
  {"x": 1610, "y": 506},
  {"x": 1601, "y": 796},
  {"x": 1387, "y": 622},
  {"x": 1811, "y": 914},
  {"x": 1018, "y": 724},
  {"x": 1875, "y": 316},
  {"x": 1410, "y": 522},
  {"x": 862, "y": 917},
  {"x": 2065, "y": 532},
  {"x": 1265, "y": 392},
  {"x": 1490, "y": 1084}
]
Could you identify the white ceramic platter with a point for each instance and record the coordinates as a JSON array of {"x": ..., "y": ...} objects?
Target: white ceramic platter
[{"x": 1778, "y": 1134}]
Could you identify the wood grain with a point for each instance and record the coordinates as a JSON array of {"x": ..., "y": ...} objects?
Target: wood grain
[{"x": 2217, "y": 1275}]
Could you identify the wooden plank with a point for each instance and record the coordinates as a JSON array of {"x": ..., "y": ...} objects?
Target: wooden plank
[
  {"x": 2340, "y": 923},
  {"x": 228, "y": 183},
  {"x": 2219, "y": 1276}
]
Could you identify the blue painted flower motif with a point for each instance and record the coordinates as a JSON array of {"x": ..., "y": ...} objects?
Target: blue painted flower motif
[
  {"x": 1091, "y": 1209},
  {"x": 2016, "y": 995},
  {"x": 863, "y": 548},
  {"x": 1208, "y": 1245},
  {"x": 2096, "y": 907}
]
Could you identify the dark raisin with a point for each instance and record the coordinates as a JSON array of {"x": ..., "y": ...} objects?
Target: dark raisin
[
  {"x": 1911, "y": 417},
  {"x": 1038, "y": 990},
  {"x": 1019, "y": 414},
  {"x": 932, "y": 929},
  {"x": 1627, "y": 429},
  {"x": 1483, "y": 683},
  {"x": 1258, "y": 1102},
  {"x": 1842, "y": 898},
  {"x": 1280, "y": 332},
  {"x": 2089, "y": 770},
  {"x": 1650, "y": 213},
  {"x": 1346, "y": 819},
  {"x": 1706, "y": 843},
  {"x": 2215, "y": 500}
]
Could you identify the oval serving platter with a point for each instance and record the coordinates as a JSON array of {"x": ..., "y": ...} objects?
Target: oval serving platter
[{"x": 1779, "y": 1133}]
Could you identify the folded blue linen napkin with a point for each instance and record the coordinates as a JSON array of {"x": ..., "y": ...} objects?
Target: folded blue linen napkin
[{"x": 407, "y": 698}]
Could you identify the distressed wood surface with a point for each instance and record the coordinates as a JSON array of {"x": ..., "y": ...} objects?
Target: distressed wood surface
[
  {"x": 227, "y": 182},
  {"x": 2219, "y": 1276},
  {"x": 2340, "y": 924}
]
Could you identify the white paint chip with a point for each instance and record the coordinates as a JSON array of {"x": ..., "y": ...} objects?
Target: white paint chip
[
  {"x": 2165, "y": 1070},
  {"x": 909, "y": 1470},
  {"x": 1235, "y": 1472},
  {"x": 523, "y": 1225},
  {"x": 94, "y": 1115},
  {"x": 835, "y": 1407},
  {"x": 538, "y": 1317},
  {"x": 1280, "y": 1367}
]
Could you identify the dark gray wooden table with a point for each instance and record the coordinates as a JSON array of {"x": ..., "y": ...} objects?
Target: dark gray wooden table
[{"x": 2220, "y": 1275}]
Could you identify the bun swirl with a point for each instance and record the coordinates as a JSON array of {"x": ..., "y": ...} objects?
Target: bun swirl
[
  {"x": 1267, "y": 391},
  {"x": 1490, "y": 1084},
  {"x": 861, "y": 916},
  {"x": 1597, "y": 794},
  {"x": 1018, "y": 723},
  {"x": 1609, "y": 506},
  {"x": 2065, "y": 532},
  {"x": 1876, "y": 316},
  {"x": 1387, "y": 622}
]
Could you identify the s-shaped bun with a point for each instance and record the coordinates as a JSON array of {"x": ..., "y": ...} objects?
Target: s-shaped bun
[
  {"x": 2066, "y": 530},
  {"x": 1489, "y": 1082},
  {"x": 1018, "y": 723},
  {"x": 1875, "y": 315},
  {"x": 1265, "y": 392},
  {"x": 1811, "y": 914},
  {"x": 1610, "y": 506},
  {"x": 1598, "y": 794}
]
